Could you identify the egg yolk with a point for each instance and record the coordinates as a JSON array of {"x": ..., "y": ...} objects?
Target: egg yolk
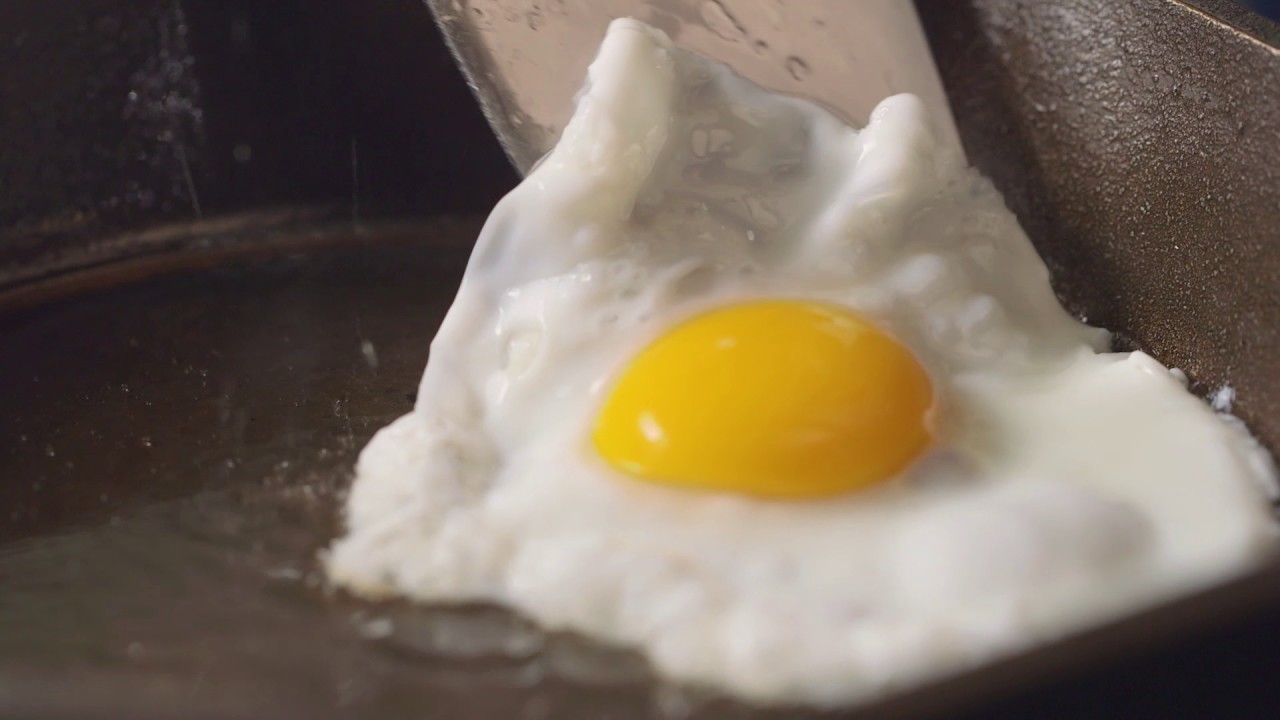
[{"x": 774, "y": 398}]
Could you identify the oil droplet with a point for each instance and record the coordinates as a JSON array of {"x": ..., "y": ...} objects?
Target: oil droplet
[
  {"x": 376, "y": 629},
  {"x": 370, "y": 354},
  {"x": 798, "y": 68}
]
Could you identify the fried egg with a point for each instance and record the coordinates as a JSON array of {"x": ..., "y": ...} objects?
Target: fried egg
[{"x": 789, "y": 407}]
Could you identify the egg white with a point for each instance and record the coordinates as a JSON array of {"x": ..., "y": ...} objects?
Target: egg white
[{"x": 1070, "y": 483}]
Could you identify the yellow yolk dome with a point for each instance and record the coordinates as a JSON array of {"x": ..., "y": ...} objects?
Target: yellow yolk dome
[{"x": 774, "y": 398}]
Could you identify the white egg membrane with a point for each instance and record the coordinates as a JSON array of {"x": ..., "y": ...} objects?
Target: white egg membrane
[{"x": 1069, "y": 484}]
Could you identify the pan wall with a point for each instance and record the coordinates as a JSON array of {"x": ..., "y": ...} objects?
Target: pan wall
[{"x": 1139, "y": 143}]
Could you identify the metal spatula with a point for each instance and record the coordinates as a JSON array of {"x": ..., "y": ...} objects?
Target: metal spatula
[{"x": 526, "y": 59}]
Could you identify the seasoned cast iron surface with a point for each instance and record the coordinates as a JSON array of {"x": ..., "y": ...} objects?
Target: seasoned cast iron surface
[
  {"x": 117, "y": 115},
  {"x": 1139, "y": 144},
  {"x": 174, "y": 453}
]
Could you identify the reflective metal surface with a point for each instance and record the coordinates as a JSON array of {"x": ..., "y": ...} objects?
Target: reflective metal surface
[{"x": 526, "y": 60}]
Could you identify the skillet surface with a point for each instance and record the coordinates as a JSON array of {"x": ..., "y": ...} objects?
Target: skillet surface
[{"x": 175, "y": 453}]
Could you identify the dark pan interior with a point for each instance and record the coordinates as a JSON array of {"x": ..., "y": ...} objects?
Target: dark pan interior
[
  {"x": 180, "y": 458},
  {"x": 196, "y": 339}
]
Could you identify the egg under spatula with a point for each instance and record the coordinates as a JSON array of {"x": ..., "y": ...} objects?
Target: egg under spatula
[{"x": 525, "y": 60}]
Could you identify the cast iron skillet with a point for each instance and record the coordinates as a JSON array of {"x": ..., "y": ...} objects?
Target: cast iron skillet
[{"x": 228, "y": 232}]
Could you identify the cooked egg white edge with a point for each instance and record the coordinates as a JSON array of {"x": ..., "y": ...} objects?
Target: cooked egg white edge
[{"x": 1092, "y": 482}]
